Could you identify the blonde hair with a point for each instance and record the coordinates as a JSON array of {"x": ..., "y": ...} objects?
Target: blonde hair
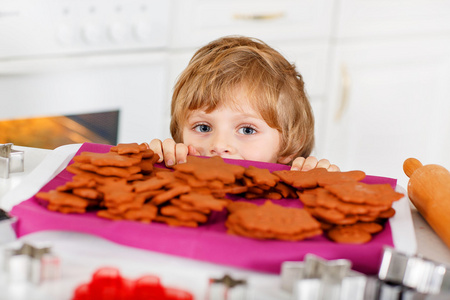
[{"x": 274, "y": 88}]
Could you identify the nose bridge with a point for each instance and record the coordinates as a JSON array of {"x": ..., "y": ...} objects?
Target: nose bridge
[{"x": 220, "y": 143}]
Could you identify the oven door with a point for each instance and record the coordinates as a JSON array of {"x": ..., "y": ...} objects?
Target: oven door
[{"x": 132, "y": 83}]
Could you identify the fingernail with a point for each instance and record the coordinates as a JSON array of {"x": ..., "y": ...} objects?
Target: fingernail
[
  {"x": 169, "y": 162},
  {"x": 181, "y": 161},
  {"x": 295, "y": 169}
]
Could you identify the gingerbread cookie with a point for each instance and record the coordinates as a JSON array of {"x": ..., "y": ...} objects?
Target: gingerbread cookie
[
  {"x": 145, "y": 213},
  {"x": 123, "y": 172},
  {"x": 349, "y": 235},
  {"x": 211, "y": 169},
  {"x": 203, "y": 201},
  {"x": 188, "y": 207},
  {"x": 175, "y": 222},
  {"x": 151, "y": 184},
  {"x": 80, "y": 182},
  {"x": 63, "y": 202},
  {"x": 271, "y": 221},
  {"x": 261, "y": 176},
  {"x": 317, "y": 177},
  {"x": 359, "y": 192},
  {"x": 170, "y": 194},
  {"x": 370, "y": 227},
  {"x": 109, "y": 159},
  {"x": 300, "y": 179},
  {"x": 130, "y": 148},
  {"x": 183, "y": 215}
]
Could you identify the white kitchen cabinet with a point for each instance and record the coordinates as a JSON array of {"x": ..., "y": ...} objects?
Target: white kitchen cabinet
[
  {"x": 389, "y": 100},
  {"x": 365, "y": 19},
  {"x": 197, "y": 22}
]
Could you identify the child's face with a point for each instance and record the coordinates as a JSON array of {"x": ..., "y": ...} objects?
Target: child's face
[{"x": 231, "y": 133}]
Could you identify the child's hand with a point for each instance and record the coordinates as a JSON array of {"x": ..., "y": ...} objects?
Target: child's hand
[
  {"x": 306, "y": 164},
  {"x": 170, "y": 152}
]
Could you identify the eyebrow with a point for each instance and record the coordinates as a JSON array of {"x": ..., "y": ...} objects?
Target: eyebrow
[{"x": 199, "y": 112}]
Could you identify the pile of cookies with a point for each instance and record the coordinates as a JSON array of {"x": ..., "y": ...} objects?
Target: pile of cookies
[
  {"x": 350, "y": 211},
  {"x": 125, "y": 184}
]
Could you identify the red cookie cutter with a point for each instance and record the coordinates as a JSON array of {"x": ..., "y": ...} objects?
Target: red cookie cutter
[{"x": 108, "y": 284}]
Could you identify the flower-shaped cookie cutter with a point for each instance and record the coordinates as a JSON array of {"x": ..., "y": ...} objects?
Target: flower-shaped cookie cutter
[
  {"x": 32, "y": 263},
  {"x": 415, "y": 272},
  {"x": 11, "y": 160},
  {"x": 227, "y": 288}
]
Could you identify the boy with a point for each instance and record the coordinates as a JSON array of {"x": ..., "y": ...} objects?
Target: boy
[{"x": 241, "y": 99}]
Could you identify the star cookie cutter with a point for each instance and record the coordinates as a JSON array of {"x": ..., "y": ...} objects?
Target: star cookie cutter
[
  {"x": 316, "y": 278},
  {"x": 11, "y": 160},
  {"x": 226, "y": 288},
  {"x": 32, "y": 263}
]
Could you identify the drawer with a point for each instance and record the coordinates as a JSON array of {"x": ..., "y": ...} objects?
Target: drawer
[
  {"x": 370, "y": 18},
  {"x": 197, "y": 22},
  {"x": 54, "y": 27}
]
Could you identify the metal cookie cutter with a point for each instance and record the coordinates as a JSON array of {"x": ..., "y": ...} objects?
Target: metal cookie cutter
[
  {"x": 317, "y": 278},
  {"x": 227, "y": 288},
  {"x": 33, "y": 263},
  {"x": 415, "y": 272},
  {"x": 11, "y": 160}
]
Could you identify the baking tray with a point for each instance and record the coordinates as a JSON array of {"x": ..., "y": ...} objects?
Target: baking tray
[{"x": 209, "y": 242}]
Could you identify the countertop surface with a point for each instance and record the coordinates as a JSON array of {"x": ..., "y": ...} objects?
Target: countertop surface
[{"x": 82, "y": 254}]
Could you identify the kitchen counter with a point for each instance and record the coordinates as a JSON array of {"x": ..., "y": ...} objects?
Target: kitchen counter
[{"x": 82, "y": 254}]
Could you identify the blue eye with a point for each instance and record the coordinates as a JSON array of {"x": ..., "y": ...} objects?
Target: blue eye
[
  {"x": 202, "y": 128},
  {"x": 247, "y": 130}
]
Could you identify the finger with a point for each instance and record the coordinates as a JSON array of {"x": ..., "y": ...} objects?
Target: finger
[
  {"x": 333, "y": 168},
  {"x": 181, "y": 152},
  {"x": 193, "y": 151},
  {"x": 168, "y": 148},
  {"x": 309, "y": 164},
  {"x": 297, "y": 164},
  {"x": 323, "y": 163},
  {"x": 156, "y": 146}
]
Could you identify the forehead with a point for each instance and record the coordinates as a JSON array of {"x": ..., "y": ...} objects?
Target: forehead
[{"x": 237, "y": 99}]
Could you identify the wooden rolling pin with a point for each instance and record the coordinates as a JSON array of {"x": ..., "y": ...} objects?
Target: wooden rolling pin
[{"x": 429, "y": 191}]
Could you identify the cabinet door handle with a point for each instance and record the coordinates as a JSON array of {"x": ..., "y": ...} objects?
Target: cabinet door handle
[
  {"x": 346, "y": 84},
  {"x": 259, "y": 17}
]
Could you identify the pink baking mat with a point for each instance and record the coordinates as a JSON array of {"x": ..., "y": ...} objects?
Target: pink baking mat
[{"x": 209, "y": 242}]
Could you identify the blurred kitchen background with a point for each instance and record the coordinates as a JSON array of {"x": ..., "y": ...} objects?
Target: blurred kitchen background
[{"x": 377, "y": 71}]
